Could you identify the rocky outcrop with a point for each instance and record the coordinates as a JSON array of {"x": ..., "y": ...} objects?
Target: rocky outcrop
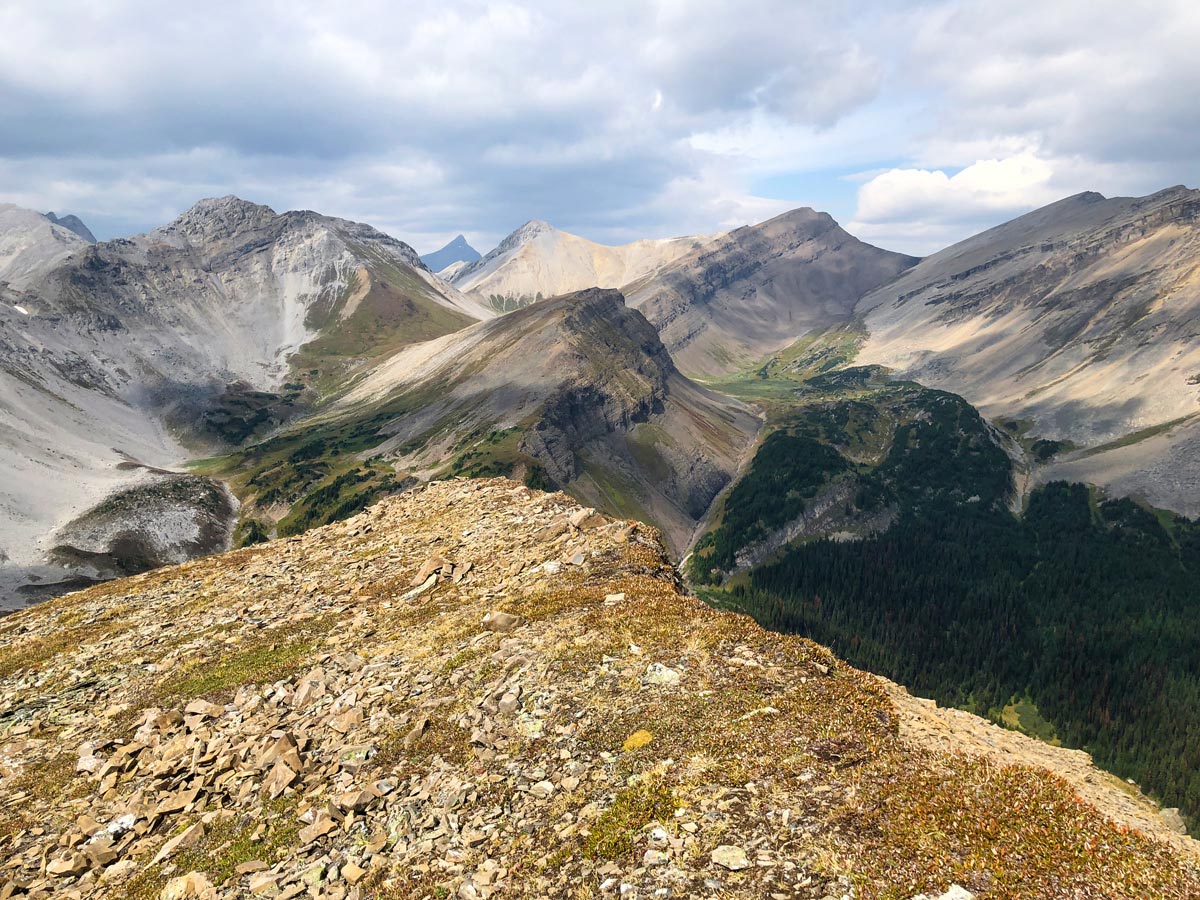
[
  {"x": 476, "y": 690},
  {"x": 825, "y": 515},
  {"x": 593, "y": 394},
  {"x": 165, "y": 520}
]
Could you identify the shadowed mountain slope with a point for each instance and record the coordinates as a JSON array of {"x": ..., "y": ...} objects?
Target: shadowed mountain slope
[{"x": 577, "y": 391}]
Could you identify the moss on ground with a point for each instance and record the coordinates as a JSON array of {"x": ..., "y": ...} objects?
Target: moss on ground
[{"x": 615, "y": 833}]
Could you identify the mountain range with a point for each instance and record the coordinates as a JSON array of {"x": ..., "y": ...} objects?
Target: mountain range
[
  {"x": 132, "y": 355},
  {"x": 973, "y": 473},
  {"x": 1073, "y": 324},
  {"x": 537, "y": 260}
]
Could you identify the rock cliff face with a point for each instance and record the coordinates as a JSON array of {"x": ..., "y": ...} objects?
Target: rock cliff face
[
  {"x": 1081, "y": 318},
  {"x": 477, "y": 690},
  {"x": 757, "y": 289}
]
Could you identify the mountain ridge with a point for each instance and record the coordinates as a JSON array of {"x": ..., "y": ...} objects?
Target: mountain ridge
[
  {"x": 72, "y": 223},
  {"x": 380, "y": 706},
  {"x": 115, "y": 353},
  {"x": 1063, "y": 318},
  {"x": 605, "y": 414},
  {"x": 756, "y": 289}
]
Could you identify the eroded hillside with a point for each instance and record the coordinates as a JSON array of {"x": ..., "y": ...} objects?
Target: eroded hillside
[
  {"x": 1080, "y": 320},
  {"x": 191, "y": 338},
  {"x": 478, "y": 690}
]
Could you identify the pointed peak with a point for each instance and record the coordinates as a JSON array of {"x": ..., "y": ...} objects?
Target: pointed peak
[
  {"x": 73, "y": 224},
  {"x": 534, "y": 227},
  {"x": 523, "y": 235},
  {"x": 456, "y": 251}
]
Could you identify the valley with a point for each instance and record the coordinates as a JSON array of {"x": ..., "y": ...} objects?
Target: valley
[
  {"x": 941, "y": 468},
  {"x": 883, "y": 519}
]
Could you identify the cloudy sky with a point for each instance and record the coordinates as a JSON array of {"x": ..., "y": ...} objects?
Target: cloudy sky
[{"x": 914, "y": 124}]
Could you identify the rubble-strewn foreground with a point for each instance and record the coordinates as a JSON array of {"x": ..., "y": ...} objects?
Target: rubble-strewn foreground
[{"x": 477, "y": 690}]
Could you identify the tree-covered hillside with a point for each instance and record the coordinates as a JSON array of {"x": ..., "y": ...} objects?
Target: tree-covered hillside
[{"x": 1079, "y": 618}]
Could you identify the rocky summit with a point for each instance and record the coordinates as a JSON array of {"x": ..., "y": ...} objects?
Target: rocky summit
[{"x": 475, "y": 690}]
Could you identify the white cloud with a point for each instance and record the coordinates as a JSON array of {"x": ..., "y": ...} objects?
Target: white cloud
[
  {"x": 514, "y": 109},
  {"x": 922, "y": 210},
  {"x": 636, "y": 117},
  {"x": 987, "y": 186}
]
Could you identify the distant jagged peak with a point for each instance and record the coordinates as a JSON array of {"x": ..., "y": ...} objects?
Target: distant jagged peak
[
  {"x": 456, "y": 252},
  {"x": 73, "y": 224},
  {"x": 527, "y": 233},
  {"x": 31, "y": 244},
  {"x": 534, "y": 227},
  {"x": 460, "y": 241}
]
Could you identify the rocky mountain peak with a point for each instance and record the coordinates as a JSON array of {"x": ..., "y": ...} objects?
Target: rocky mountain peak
[
  {"x": 73, "y": 224},
  {"x": 457, "y": 251},
  {"x": 220, "y": 217},
  {"x": 478, "y": 690},
  {"x": 526, "y": 233}
]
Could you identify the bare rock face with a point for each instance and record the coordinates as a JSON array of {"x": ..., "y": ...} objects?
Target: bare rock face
[
  {"x": 1082, "y": 319},
  {"x": 31, "y": 244},
  {"x": 291, "y": 720},
  {"x": 164, "y": 520},
  {"x": 74, "y": 224},
  {"x": 757, "y": 289}
]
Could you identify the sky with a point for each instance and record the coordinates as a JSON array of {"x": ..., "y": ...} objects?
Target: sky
[{"x": 913, "y": 124}]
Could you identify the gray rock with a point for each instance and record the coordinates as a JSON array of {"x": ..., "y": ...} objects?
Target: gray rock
[
  {"x": 731, "y": 857},
  {"x": 1174, "y": 819},
  {"x": 500, "y": 621}
]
